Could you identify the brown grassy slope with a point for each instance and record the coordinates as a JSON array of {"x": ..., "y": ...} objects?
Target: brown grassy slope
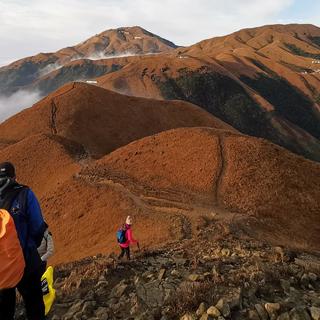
[
  {"x": 166, "y": 182},
  {"x": 279, "y": 189},
  {"x": 242, "y": 174},
  {"x": 102, "y": 120},
  {"x": 42, "y": 161},
  {"x": 82, "y": 217}
]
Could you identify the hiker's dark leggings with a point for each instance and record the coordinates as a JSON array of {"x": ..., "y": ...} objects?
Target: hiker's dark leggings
[
  {"x": 31, "y": 292},
  {"x": 125, "y": 251}
]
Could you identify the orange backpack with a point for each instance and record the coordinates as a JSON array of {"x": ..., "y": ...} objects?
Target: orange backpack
[{"x": 11, "y": 256}]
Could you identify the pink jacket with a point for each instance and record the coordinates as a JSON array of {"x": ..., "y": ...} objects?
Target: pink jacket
[{"x": 129, "y": 238}]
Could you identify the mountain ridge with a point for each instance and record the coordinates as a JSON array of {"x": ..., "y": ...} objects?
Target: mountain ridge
[{"x": 262, "y": 81}]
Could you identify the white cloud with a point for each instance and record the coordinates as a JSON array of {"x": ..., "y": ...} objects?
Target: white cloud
[
  {"x": 31, "y": 26},
  {"x": 10, "y": 105}
]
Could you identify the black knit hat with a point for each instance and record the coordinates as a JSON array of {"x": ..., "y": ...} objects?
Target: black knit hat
[{"x": 7, "y": 170}]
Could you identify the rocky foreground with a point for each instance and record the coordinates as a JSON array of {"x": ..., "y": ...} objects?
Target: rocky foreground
[{"x": 222, "y": 274}]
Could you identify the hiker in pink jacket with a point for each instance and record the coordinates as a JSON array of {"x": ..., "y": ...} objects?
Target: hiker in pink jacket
[{"x": 127, "y": 239}]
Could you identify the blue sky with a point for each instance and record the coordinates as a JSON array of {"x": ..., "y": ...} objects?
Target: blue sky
[
  {"x": 302, "y": 10},
  {"x": 31, "y": 26}
]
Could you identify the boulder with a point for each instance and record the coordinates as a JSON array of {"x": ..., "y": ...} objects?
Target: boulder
[
  {"x": 193, "y": 277},
  {"x": 188, "y": 316},
  {"x": 299, "y": 314},
  {"x": 201, "y": 310},
  {"x": 161, "y": 274},
  {"x": 214, "y": 312},
  {"x": 223, "y": 307},
  {"x": 102, "y": 313},
  {"x": 253, "y": 315},
  {"x": 272, "y": 309},
  {"x": 119, "y": 290},
  {"x": 284, "y": 316},
  {"x": 261, "y": 312},
  {"x": 315, "y": 313}
]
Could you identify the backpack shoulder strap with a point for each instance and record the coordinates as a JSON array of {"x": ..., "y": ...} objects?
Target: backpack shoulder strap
[{"x": 10, "y": 195}]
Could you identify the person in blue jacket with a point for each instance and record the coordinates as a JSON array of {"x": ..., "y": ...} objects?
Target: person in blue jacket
[{"x": 24, "y": 207}]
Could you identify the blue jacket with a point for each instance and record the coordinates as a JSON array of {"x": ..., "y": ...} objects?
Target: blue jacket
[{"x": 30, "y": 226}]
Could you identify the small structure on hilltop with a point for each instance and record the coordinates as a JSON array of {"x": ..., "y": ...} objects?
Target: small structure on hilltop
[{"x": 91, "y": 81}]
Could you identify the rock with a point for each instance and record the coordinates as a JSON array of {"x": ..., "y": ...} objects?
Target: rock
[
  {"x": 180, "y": 261},
  {"x": 225, "y": 252},
  {"x": 102, "y": 313},
  {"x": 214, "y": 312},
  {"x": 175, "y": 273},
  {"x": 272, "y": 309},
  {"x": 305, "y": 280},
  {"x": 151, "y": 293},
  {"x": 119, "y": 290},
  {"x": 101, "y": 283},
  {"x": 188, "y": 316},
  {"x": 193, "y": 277},
  {"x": 313, "y": 277},
  {"x": 201, "y": 310},
  {"x": 299, "y": 314},
  {"x": 285, "y": 285},
  {"x": 279, "y": 252},
  {"x": 220, "y": 304},
  {"x": 235, "y": 301},
  {"x": 223, "y": 307},
  {"x": 250, "y": 293},
  {"x": 253, "y": 315},
  {"x": 215, "y": 272},
  {"x": 284, "y": 316},
  {"x": 315, "y": 313},
  {"x": 161, "y": 274},
  {"x": 261, "y": 312},
  {"x": 169, "y": 294},
  {"x": 137, "y": 307},
  {"x": 136, "y": 280},
  {"x": 205, "y": 316}
]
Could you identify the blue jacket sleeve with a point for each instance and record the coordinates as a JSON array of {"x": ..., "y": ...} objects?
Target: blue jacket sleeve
[{"x": 36, "y": 222}]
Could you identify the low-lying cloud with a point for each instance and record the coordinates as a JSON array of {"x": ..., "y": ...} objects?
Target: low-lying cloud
[
  {"x": 99, "y": 55},
  {"x": 10, "y": 105},
  {"x": 49, "y": 68},
  {"x": 102, "y": 55}
]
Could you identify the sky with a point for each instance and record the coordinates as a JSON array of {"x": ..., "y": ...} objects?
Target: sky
[{"x": 28, "y": 27}]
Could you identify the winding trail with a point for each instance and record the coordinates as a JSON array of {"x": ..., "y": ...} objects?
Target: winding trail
[{"x": 185, "y": 210}]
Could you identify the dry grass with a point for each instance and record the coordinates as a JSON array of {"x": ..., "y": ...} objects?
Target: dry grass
[{"x": 189, "y": 296}]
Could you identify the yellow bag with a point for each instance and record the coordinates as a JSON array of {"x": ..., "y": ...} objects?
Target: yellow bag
[{"x": 49, "y": 294}]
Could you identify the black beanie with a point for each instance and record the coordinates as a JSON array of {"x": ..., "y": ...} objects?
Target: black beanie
[{"x": 7, "y": 170}]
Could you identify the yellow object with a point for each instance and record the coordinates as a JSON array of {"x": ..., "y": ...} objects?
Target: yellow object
[{"x": 49, "y": 294}]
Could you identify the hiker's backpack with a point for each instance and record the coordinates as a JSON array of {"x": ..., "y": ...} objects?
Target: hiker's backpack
[
  {"x": 121, "y": 236},
  {"x": 11, "y": 255}
]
